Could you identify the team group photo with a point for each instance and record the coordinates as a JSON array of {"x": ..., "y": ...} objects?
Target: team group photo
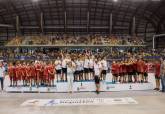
[{"x": 82, "y": 56}]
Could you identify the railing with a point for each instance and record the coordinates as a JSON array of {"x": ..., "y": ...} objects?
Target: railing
[
  {"x": 76, "y": 45},
  {"x": 25, "y": 58}
]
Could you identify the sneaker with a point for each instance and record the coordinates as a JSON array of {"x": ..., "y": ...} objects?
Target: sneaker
[{"x": 155, "y": 88}]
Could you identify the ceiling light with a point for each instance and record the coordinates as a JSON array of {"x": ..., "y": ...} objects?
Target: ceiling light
[{"x": 35, "y": 0}]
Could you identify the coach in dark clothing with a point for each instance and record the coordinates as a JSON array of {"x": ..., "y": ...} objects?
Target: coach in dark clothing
[
  {"x": 2, "y": 74},
  {"x": 163, "y": 75}
]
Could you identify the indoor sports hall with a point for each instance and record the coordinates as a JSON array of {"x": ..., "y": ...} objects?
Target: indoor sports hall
[{"x": 82, "y": 56}]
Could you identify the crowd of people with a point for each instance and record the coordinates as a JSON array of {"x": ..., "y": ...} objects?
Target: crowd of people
[
  {"x": 77, "y": 40},
  {"x": 51, "y": 53},
  {"x": 135, "y": 70},
  {"x": 70, "y": 67},
  {"x": 131, "y": 70},
  {"x": 65, "y": 68},
  {"x": 15, "y": 41},
  {"x": 44, "y": 66},
  {"x": 57, "y": 69}
]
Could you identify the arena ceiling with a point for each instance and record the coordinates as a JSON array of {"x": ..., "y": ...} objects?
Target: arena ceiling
[{"x": 82, "y": 16}]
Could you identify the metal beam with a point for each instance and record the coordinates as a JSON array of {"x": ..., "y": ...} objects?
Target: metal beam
[
  {"x": 83, "y": 27},
  {"x": 6, "y": 26},
  {"x": 41, "y": 23},
  {"x": 133, "y": 26},
  {"x": 110, "y": 24},
  {"x": 87, "y": 21},
  {"x": 29, "y": 27},
  {"x": 17, "y": 25},
  {"x": 7, "y": 31},
  {"x": 153, "y": 39},
  {"x": 54, "y": 27},
  {"x": 65, "y": 21}
]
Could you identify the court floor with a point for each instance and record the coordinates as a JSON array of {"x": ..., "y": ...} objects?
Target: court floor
[{"x": 149, "y": 102}]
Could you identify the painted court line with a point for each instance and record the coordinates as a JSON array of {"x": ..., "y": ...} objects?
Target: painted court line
[{"x": 79, "y": 101}]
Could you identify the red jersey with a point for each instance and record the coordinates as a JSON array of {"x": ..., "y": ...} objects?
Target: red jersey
[
  {"x": 129, "y": 68},
  {"x": 114, "y": 68},
  {"x": 11, "y": 71},
  {"x": 134, "y": 65},
  {"x": 18, "y": 72},
  {"x": 51, "y": 70},
  {"x": 23, "y": 68},
  {"x": 140, "y": 66},
  {"x": 33, "y": 70},
  {"x": 117, "y": 68},
  {"x": 46, "y": 68},
  {"x": 124, "y": 69},
  {"x": 120, "y": 69},
  {"x": 145, "y": 67},
  {"x": 157, "y": 69},
  {"x": 38, "y": 68},
  {"x": 28, "y": 71}
]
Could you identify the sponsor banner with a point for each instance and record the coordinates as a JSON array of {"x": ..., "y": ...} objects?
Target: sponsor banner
[
  {"x": 22, "y": 89},
  {"x": 128, "y": 87},
  {"x": 85, "y": 86},
  {"x": 79, "y": 101},
  {"x": 88, "y": 86}
]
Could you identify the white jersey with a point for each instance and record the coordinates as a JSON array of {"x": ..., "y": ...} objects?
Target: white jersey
[
  {"x": 78, "y": 65},
  {"x": 2, "y": 71},
  {"x": 100, "y": 64},
  {"x": 86, "y": 63},
  {"x": 64, "y": 61},
  {"x": 58, "y": 65},
  {"x": 81, "y": 65},
  {"x": 73, "y": 64},
  {"x": 97, "y": 70},
  {"x": 104, "y": 64},
  {"x": 91, "y": 63},
  {"x": 70, "y": 72}
]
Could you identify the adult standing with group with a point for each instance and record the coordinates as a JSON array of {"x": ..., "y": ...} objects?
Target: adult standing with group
[
  {"x": 162, "y": 74},
  {"x": 2, "y": 75}
]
